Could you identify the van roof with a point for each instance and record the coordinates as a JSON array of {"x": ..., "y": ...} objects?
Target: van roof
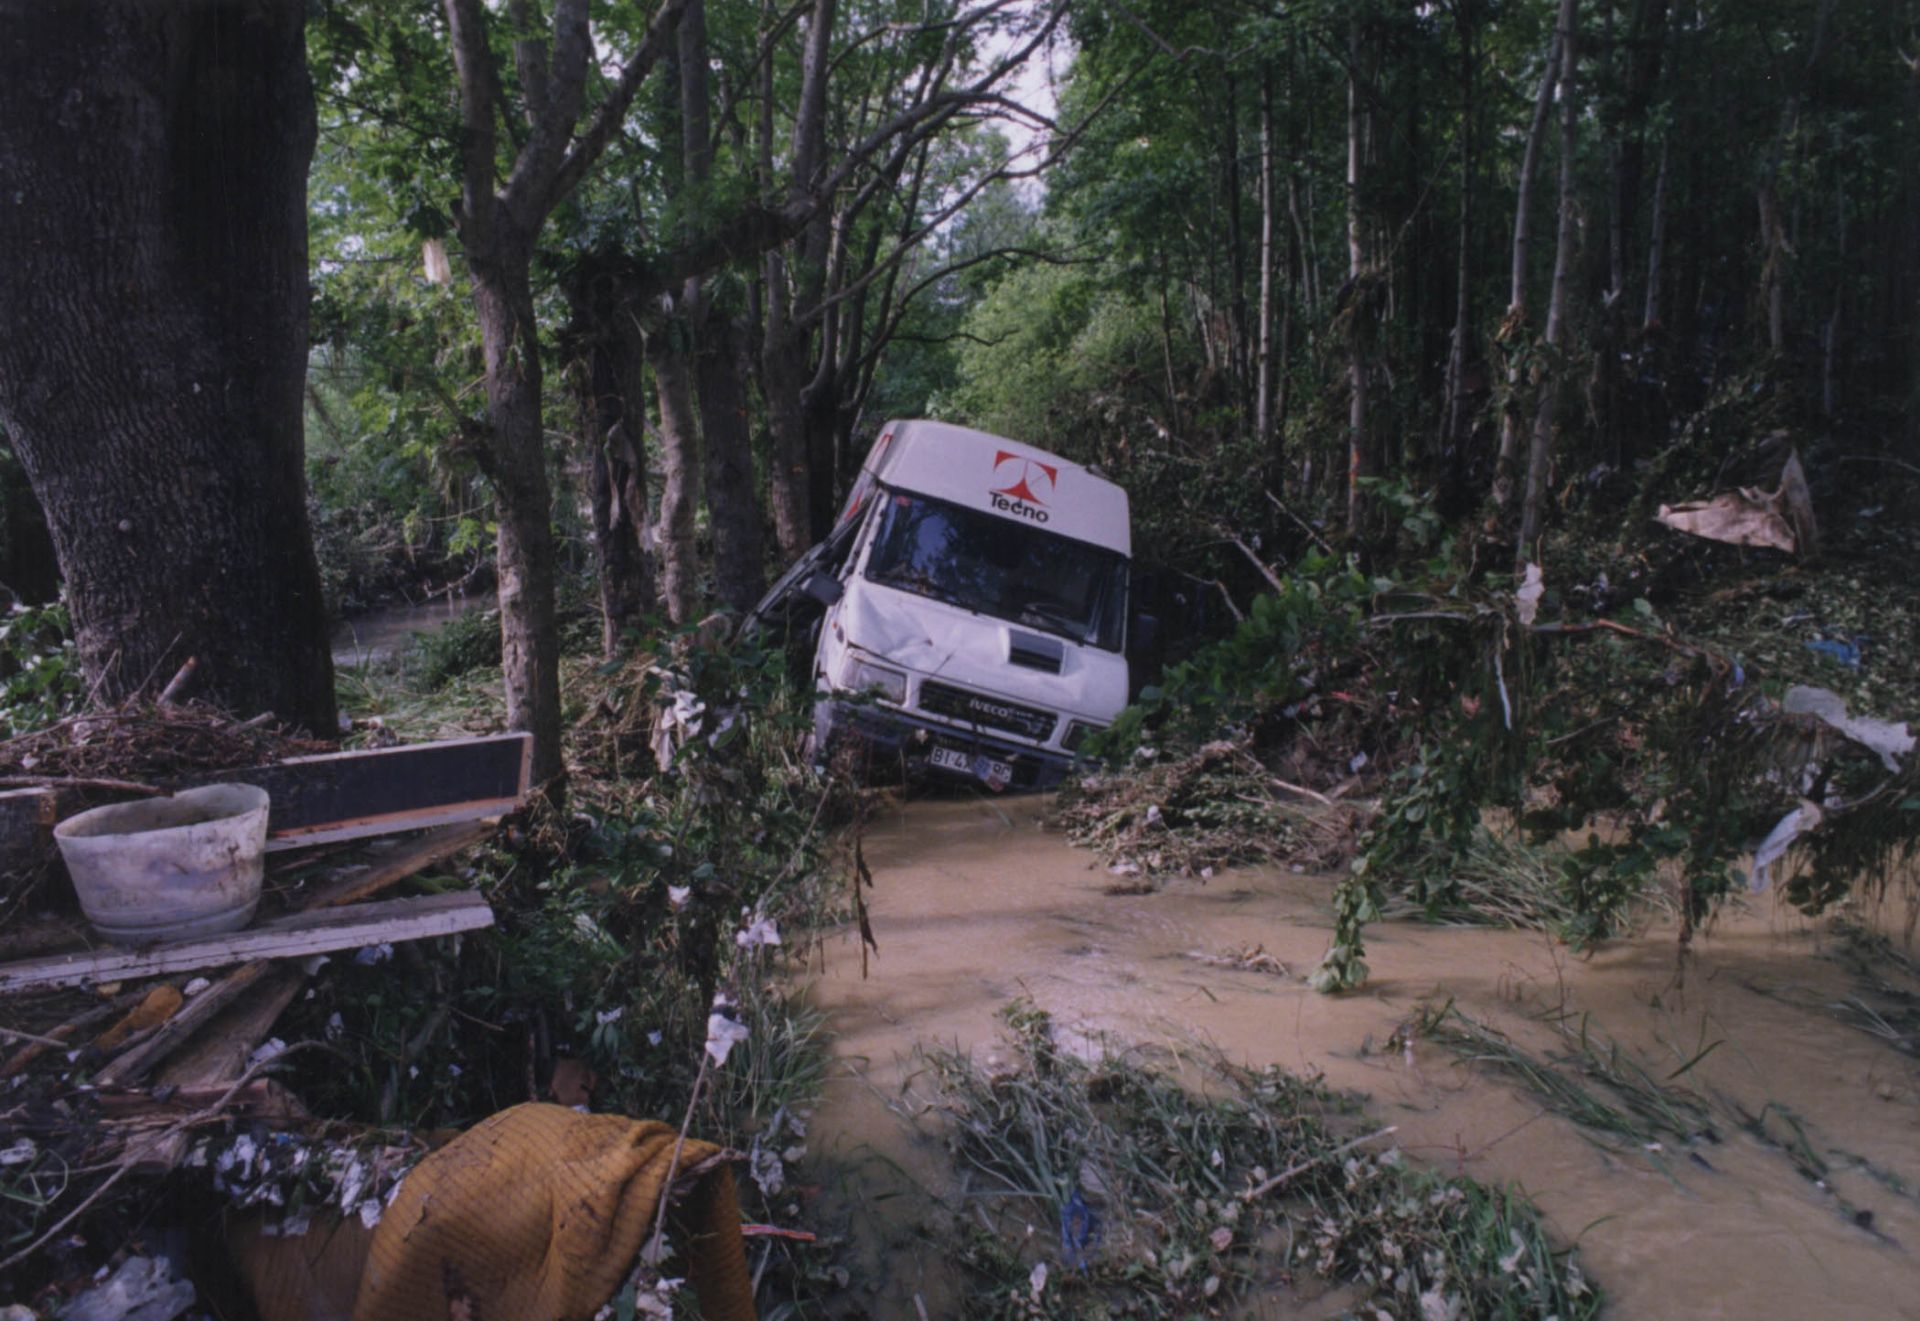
[{"x": 1002, "y": 477}]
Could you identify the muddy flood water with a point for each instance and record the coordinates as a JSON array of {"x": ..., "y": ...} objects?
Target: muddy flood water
[{"x": 976, "y": 903}]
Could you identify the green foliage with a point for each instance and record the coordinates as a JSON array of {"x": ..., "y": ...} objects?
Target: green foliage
[
  {"x": 1269, "y": 661},
  {"x": 468, "y": 642},
  {"x": 40, "y": 678}
]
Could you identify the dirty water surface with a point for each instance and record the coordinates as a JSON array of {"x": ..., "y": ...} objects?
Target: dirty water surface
[{"x": 976, "y": 903}]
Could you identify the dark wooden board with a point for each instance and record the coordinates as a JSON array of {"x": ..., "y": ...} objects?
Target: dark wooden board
[{"x": 350, "y": 795}]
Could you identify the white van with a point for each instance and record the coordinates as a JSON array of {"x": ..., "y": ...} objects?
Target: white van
[{"x": 976, "y": 608}]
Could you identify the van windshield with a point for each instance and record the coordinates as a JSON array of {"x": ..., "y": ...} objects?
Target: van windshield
[{"x": 1024, "y": 575}]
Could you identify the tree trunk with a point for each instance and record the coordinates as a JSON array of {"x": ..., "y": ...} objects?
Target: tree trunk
[
  {"x": 515, "y": 462},
  {"x": 680, "y": 464},
  {"x": 1514, "y": 328},
  {"x": 1539, "y": 454},
  {"x": 1776, "y": 252},
  {"x": 1450, "y": 426},
  {"x": 612, "y": 419},
  {"x": 154, "y": 344},
  {"x": 1359, "y": 454},
  {"x": 1657, "y": 242},
  {"x": 733, "y": 510},
  {"x": 1263, "y": 375}
]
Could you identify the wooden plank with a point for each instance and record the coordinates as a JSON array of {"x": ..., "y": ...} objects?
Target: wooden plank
[
  {"x": 409, "y": 859},
  {"x": 202, "y": 1008},
  {"x": 293, "y": 936},
  {"x": 219, "y": 1054},
  {"x": 351, "y": 795}
]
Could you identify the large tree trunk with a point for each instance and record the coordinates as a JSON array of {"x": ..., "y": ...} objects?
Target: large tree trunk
[
  {"x": 154, "y": 342},
  {"x": 516, "y": 464},
  {"x": 1539, "y": 452},
  {"x": 733, "y": 510},
  {"x": 1452, "y": 405}
]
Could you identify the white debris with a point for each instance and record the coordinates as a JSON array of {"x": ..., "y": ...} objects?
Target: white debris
[
  {"x": 270, "y": 1049},
  {"x": 1527, "y": 600},
  {"x": 1890, "y": 739},
  {"x": 677, "y": 896},
  {"x": 761, "y": 931}
]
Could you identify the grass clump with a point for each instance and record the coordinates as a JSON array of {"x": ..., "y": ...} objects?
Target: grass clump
[{"x": 1095, "y": 1185}]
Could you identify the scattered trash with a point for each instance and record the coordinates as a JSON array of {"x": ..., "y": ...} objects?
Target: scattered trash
[
  {"x": 1838, "y": 649},
  {"x": 1890, "y": 739},
  {"x": 142, "y": 1289},
  {"x": 1790, "y": 827},
  {"x": 1781, "y": 519}
]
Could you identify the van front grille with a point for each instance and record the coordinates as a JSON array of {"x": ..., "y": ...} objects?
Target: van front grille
[{"x": 987, "y": 712}]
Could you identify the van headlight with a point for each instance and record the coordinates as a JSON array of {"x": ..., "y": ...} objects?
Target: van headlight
[
  {"x": 862, "y": 676},
  {"x": 1077, "y": 731}
]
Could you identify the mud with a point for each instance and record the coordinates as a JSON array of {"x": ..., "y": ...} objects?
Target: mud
[{"x": 975, "y": 903}]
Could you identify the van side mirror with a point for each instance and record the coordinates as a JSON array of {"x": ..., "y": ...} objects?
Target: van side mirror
[
  {"x": 1145, "y": 634},
  {"x": 824, "y": 588}
]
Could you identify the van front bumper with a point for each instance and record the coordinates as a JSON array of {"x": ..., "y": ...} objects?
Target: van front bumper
[{"x": 884, "y": 741}]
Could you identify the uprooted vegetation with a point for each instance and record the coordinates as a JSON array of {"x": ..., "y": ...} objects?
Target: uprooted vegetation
[
  {"x": 1097, "y": 1184},
  {"x": 1548, "y": 750}
]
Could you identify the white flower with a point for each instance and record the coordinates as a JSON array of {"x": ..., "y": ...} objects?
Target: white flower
[
  {"x": 677, "y": 896},
  {"x": 1037, "y": 1281},
  {"x": 606, "y": 1016},
  {"x": 723, "y": 1034},
  {"x": 760, "y": 931}
]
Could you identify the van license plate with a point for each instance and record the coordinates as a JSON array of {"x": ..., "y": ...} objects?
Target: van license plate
[{"x": 995, "y": 775}]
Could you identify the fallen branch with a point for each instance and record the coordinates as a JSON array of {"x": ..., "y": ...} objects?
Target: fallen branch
[{"x": 1253, "y": 1194}]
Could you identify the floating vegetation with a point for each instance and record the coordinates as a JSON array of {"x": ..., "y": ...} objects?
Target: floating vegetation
[
  {"x": 1171, "y": 1202},
  {"x": 1628, "y": 1104}
]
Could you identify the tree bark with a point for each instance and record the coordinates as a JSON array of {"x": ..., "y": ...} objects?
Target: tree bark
[
  {"x": 153, "y": 337},
  {"x": 1539, "y": 453},
  {"x": 1776, "y": 251}
]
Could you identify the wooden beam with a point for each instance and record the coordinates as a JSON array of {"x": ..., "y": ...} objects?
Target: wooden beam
[
  {"x": 293, "y": 936},
  {"x": 219, "y": 1054},
  {"x": 409, "y": 859}
]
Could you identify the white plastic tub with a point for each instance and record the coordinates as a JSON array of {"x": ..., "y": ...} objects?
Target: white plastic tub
[{"x": 169, "y": 868}]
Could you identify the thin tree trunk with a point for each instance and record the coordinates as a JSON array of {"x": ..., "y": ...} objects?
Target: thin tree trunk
[
  {"x": 1263, "y": 383},
  {"x": 1539, "y": 456},
  {"x": 1657, "y": 241},
  {"x": 1513, "y": 329},
  {"x": 1450, "y": 432},
  {"x": 1359, "y": 455},
  {"x": 1776, "y": 250},
  {"x": 153, "y": 338}
]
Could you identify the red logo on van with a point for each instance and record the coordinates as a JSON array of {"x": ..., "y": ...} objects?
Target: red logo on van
[{"x": 1023, "y": 488}]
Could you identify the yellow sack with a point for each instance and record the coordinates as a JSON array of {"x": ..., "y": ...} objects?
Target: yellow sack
[{"x": 539, "y": 1212}]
